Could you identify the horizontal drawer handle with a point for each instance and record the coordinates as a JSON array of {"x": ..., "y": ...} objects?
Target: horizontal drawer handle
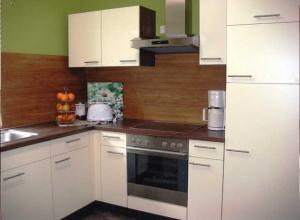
[
  {"x": 240, "y": 76},
  {"x": 127, "y": 61},
  {"x": 14, "y": 176},
  {"x": 63, "y": 160},
  {"x": 211, "y": 58},
  {"x": 112, "y": 152},
  {"x": 238, "y": 151},
  {"x": 71, "y": 141},
  {"x": 112, "y": 137},
  {"x": 95, "y": 61},
  {"x": 200, "y": 164},
  {"x": 204, "y": 147},
  {"x": 267, "y": 16}
]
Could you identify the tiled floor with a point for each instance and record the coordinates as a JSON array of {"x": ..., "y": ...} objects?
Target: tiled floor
[{"x": 101, "y": 211}]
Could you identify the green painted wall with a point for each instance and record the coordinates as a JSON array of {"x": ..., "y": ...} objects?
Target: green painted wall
[
  {"x": 40, "y": 26},
  {"x": 36, "y": 26}
]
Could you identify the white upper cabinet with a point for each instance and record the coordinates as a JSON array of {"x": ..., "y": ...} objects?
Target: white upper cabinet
[
  {"x": 104, "y": 38},
  {"x": 263, "y": 53},
  {"x": 85, "y": 39},
  {"x": 212, "y": 32},
  {"x": 261, "y": 152},
  {"x": 261, "y": 11},
  {"x": 119, "y": 27}
]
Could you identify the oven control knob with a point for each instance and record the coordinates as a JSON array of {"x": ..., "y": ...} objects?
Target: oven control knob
[
  {"x": 173, "y": 145},
  {"x": 138, "y": 141},
  {"x": 164, "y": 144}
]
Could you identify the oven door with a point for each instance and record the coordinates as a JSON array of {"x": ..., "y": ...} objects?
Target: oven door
[{"x": 157, "y": 175}]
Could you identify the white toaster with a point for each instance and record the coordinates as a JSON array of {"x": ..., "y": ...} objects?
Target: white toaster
[{"x": 99, "y": 113}]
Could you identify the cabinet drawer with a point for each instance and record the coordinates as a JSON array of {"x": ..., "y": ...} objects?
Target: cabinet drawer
[
  {"x": 113, "y": 139},
  {"x": 70, "y": 143},
  {"x": 261, "y": 11},
  {"x": 25, "y": 155},
  {"x": 206, "y": 149}
]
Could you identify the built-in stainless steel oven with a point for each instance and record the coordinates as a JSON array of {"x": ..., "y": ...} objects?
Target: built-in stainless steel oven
[{"x": 157, "y": 168}]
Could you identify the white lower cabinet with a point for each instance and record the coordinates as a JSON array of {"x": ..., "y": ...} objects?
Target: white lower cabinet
[
  {"x": 71, "y": 181},
  {"x": 114, "y": 175},
  {"x": 26, "y": 192},
  {"x": 261, "y": 152},
  {"x": 205, "y": 189}
]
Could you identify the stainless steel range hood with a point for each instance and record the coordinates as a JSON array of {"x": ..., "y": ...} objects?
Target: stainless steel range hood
[{"x": 176, "y": 40}]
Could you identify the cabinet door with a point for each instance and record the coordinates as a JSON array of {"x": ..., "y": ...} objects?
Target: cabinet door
[
  {"x": 262, "y": 11},
  {"x": 85, "y": 39},
  {"x": 264, "y": 53},
  {"x": 261, "y": 152},
  {"x": 26, "y": 192},
  {"x": 212, "y": 32},
  {"x": 205, "y": 189},
  {"x": 114, "y": 175},
  {"x": 71, "y": 182},
  {"x": 119, "y": 27}
]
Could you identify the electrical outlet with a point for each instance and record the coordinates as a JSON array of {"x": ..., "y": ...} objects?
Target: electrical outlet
[{"x": 162, "y": 29}]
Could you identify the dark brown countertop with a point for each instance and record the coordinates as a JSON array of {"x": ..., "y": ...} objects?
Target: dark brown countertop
[{"x": 50, "y": 131}]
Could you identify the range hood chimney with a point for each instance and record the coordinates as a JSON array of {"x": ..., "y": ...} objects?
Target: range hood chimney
[{"x": 176, "y": 39}]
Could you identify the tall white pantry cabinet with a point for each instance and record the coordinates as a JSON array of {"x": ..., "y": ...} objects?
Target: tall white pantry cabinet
[{"x": 262, "y": 111}]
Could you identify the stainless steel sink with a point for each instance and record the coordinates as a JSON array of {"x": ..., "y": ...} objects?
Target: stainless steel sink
[{"x": 14, "y": 135}]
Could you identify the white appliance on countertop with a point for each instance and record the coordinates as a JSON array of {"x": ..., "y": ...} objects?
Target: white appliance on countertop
[
  {"x": 100, "y": 112},
  {"x": 215, "y": 113}
]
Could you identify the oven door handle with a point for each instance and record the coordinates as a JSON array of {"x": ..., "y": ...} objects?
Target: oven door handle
[{"x": 153, "y": 152}]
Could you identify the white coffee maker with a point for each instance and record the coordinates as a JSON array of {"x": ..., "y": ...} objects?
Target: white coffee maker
[{"x": 215, "y": 113}]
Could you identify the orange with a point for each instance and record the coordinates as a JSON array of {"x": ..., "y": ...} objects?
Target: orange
[
  {"x": 59, "y": 95},
  {"x": 71, "y": 97},
  {"x": 64, "y": 97}
]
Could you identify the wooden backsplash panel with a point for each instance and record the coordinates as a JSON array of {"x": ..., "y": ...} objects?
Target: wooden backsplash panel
[
  {"x": 29, "y": 85},
  {"x": 174, "y": 90}
]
